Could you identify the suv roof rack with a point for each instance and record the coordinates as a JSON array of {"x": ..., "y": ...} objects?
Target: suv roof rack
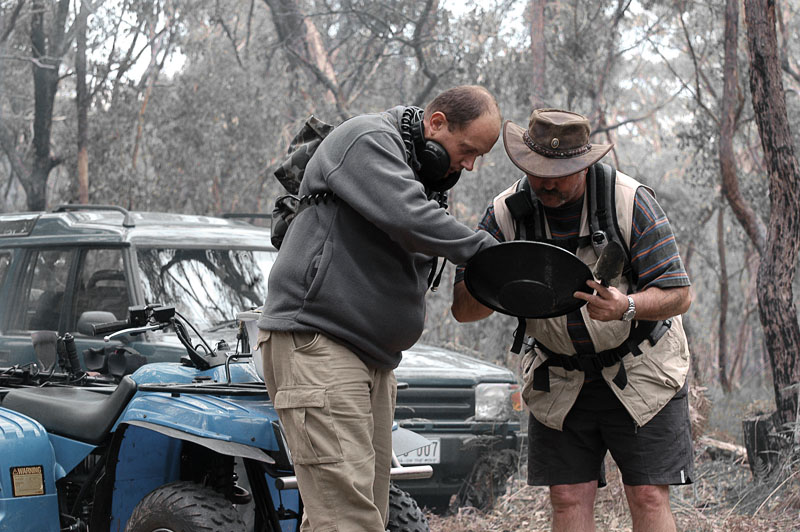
[
  {"x": 69, "y": 207},
  {"x": 245, "y": 215}
]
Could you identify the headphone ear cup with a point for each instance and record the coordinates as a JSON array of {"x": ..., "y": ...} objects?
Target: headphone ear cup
[{"x": 435, "y": 161}]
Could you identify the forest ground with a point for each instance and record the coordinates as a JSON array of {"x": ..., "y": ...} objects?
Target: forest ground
[{"x": 724, "y": 497}]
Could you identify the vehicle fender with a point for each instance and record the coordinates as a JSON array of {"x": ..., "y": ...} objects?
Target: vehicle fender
[
  {"x": 161, "y": 372},
  {"x": 28, "y": 473},
  {"x": 245, "y": 421},
  {"x": 150, "y": 433},
  {"x": 149, "y": 456}
]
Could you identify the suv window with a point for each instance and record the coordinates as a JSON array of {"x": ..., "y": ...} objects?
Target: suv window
[
  {"x": 208, "y": 286},
  {"x": 101, "y": 283},
  {"x": 48, "y": 272}
]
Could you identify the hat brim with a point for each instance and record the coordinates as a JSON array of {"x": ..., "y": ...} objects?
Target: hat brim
[{"x": 538, "y": 165}]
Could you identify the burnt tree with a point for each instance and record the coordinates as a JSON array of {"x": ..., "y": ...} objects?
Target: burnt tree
[
  {"x": 777, "y": 268},
  {"x": 82, "y": 104}
]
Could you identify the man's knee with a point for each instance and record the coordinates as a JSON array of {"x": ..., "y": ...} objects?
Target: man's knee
[
  {"x": 565, "y": 497},
  {"x": 648, "y": 498}
]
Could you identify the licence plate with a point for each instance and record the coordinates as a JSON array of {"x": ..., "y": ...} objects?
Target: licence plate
[{"x": 430, "y": 454}]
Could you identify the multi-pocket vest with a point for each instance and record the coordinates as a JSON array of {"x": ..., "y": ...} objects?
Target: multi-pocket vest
[{"x": 644, "y": 363}]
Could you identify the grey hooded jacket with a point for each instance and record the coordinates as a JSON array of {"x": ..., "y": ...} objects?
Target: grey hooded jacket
[{"x": 356, "y": 269}]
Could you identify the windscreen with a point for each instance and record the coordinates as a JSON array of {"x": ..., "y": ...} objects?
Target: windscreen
[{"x": 208, "y": 286}]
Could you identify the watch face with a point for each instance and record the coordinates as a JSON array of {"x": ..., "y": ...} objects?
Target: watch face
[{"x": 628, "y": 315}]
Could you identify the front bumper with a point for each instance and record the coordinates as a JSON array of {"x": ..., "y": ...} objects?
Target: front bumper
[{"x": 462, "y": 446}]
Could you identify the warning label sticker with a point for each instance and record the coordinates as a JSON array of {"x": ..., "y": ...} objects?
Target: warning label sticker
[{"x": 27, "y": 480}]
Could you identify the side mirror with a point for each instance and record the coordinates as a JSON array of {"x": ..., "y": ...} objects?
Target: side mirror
[{"x": 93, "y": 317}]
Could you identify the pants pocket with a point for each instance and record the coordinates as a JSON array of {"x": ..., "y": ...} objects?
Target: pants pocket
[
  {"x": 310, "y": 428},
  {"x": 263, "y": 337}
]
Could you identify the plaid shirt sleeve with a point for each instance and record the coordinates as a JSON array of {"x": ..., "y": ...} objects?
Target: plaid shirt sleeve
[
  {"x": 654, "y": 253},
  {"x": 489, "y": 224}
]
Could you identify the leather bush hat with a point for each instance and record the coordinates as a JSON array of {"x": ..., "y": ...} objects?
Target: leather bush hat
[{"x": 556, "y": 144}]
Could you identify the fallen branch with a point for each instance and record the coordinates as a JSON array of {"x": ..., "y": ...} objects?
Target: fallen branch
[{"x": 717, "y": 449}]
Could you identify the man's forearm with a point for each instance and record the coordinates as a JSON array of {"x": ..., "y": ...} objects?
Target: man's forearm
[
  {"x": 652, "y": 304},
  {"x": 465, "y": 307},
  {"x": 661, "y": 303}
]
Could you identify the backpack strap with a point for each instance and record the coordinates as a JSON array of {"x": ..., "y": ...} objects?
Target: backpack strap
[
  {"x": 525, "y": 211},
  {"x": 529, "y": 225},
  {"x": 601, "y": 182}
]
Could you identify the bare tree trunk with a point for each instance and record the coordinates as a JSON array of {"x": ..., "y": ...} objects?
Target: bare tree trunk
[
  {"x": 538, "y": 53},
  {"x": 777, "y": 269},
  {"x": 722, "y": 349},
  {"x": 597, "y": 92},
  {"x": 47, "y": 52},
  {"x": 82, "y": 101},
  {"x": 7, "y": 25},
  {"x": 158, "y": 42},
  {"x": 745, "y": 330},
  {"x": 301, "y": 38},
  {"x": 785, "y": 56},
  {"x": 749, "y": 220}
]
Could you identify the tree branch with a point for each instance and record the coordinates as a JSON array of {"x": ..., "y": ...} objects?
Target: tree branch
[{"x": 8, "y": 27}]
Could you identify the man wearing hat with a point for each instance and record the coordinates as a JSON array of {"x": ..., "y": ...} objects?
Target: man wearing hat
[{"x": 610, "y": 376}]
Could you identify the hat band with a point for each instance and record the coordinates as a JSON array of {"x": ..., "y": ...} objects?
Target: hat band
[{"x": 561, "y": 154}]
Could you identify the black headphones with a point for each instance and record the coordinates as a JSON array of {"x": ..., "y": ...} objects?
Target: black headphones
[{"x": 427, "y": 157}]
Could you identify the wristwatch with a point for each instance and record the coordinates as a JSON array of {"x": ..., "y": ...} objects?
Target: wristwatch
[{"x": 631, "y": 312}]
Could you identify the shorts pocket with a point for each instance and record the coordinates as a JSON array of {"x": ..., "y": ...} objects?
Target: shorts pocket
[{"x": 310, "y": 429}]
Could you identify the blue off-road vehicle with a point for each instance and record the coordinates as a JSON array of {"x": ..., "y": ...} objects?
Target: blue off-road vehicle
[
  {"x": 80, "y": 265},
  {"x": 173, "y": 447}
]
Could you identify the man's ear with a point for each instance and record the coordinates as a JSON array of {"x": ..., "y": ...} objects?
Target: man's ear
[{"x": 437, "y": 122}]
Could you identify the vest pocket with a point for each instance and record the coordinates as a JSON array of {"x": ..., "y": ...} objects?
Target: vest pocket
[
  {"x": 310, "y": 428},
  {"x": 655, "y": 375}
]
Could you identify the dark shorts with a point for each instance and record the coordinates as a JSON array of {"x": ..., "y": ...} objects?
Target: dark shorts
[{"x": 658, "y": 453}]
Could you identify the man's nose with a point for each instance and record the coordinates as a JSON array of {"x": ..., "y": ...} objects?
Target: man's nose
[{"x": 468, "y": 163}]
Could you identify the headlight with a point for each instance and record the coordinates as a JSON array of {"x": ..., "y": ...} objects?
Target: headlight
[{"x": 497, "y": 401}]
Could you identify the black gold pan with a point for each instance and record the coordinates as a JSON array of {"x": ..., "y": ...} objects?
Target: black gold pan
[{"x": 527, "y": 279}]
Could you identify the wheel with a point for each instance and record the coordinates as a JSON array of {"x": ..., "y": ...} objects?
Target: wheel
[
  {"x": 488, "y": 478},
  {"x": 184, "y": 507},
  {"x": 404, "y": 514}
]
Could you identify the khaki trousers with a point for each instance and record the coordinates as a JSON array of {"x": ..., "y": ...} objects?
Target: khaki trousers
[{"x": 337, "y": 415}]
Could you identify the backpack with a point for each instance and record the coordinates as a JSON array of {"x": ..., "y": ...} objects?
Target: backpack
[
  {"x": 291, "y": 171},
  {"x": 290, "y": 175}
]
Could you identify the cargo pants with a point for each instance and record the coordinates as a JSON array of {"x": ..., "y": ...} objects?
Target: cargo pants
[{"x": 337, "y": 415}]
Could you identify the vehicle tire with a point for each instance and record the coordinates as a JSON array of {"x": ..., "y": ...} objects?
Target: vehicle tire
[
  {"x": 488, "y": 479},
  {"x": 184, "y": 507},
  {"x": 404, "y": 513}
]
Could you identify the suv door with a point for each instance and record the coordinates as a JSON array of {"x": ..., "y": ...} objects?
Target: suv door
[
  {"x": 53, "y": 288},
  {"x": 35, "y": 295}
]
